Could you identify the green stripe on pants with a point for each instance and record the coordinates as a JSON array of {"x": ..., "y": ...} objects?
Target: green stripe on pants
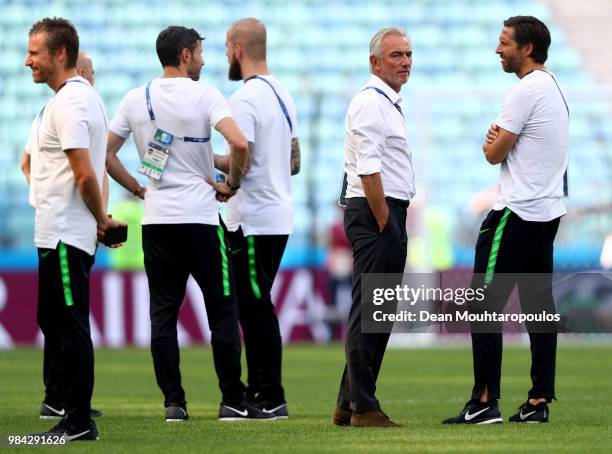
[
  {"x": 252, "y": 268},
  {"x": 495, "y": 247},
  {"x": 63, "y": 257},
  {"x": 224, "y": 264}
]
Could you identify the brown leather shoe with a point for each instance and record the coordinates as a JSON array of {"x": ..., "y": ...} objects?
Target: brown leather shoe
[
  {"x": 342, "y": 417},
  {"x": 372, "y": 419}
]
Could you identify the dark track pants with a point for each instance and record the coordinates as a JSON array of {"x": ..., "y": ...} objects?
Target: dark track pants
[
  {"x": 171, "y": 253},
  {"x": 256, "y": 259},
  {"x": 373, "y": 252},
  {"x": 508, "y": 244},
  {"x": 63, "y": 317}
]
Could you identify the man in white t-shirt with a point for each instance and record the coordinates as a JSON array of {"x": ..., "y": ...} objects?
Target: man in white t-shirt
[
  {"x": 70, "y": 142},
  {"x": 52, "y": 407},
  {"x": 515, "y": 244},
  {"x": 171, "y": 119},
  {"x": 260, "y": 216}
]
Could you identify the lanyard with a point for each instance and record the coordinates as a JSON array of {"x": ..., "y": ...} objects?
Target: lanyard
[
  {"x": 565, "y": 183},
  {"x": 152, "y": 117},
  {"x": 396, "y": 105},
  {"x": 280, "y": 101}
]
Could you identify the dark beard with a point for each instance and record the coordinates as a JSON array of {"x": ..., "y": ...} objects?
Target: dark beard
[{"x": 235, "y": 72}]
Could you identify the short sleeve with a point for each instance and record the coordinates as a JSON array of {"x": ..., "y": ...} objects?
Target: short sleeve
[
  {"x": 517, "y": 108},
  {"x": 120, "y": 124},
  {"x": 71, "y": 120},
  {"x": 367, "y": 127},
  {"x": 219, "y": 108},
  {"x": 245, "y": 115}
]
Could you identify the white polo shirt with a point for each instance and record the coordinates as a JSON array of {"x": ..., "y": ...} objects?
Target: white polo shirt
[
  {"x": 264, "y": 203},
  {"x": 531, "y": 177},
  {"x": 73, "y": 118},
  {"x": 376, "y": 141},
  {"x": 183, "y": 108}
]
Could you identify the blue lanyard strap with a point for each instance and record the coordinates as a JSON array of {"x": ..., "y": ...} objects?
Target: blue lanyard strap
[
  {"x": 152, "y": 117},
  {"x": 396, "y": 105},
  {"x": 280, "y": 101}
]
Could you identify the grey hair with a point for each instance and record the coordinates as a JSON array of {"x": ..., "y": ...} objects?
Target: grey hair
[{"x": 377, "y": 39}]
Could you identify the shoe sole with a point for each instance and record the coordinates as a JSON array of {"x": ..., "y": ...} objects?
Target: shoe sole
[
  {"x": 50, "y": 417},
  {"x": 175, "y": 420},
  {"x": 235, "y": 419},
  {"x": 490, "y": 421}
]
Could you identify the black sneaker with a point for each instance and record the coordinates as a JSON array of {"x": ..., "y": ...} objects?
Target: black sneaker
[
  {"x": 176, "y": 413},
  {"x": 531, "y": 413},
  {"x": 278, "y": 409},
  {"x": 245, "y": 411},
  {"x": 476, "y": 412},
  {"x": 51, "y": 412},
  {"x": 72, "y": 432},
  {"x": 48, "y": 411}
]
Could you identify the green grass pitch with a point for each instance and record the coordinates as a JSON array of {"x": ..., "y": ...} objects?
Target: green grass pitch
[{"x": 417, "y": 388}]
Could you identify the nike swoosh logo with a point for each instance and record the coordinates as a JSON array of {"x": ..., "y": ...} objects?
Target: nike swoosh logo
[
  {"x": 244, "y": 413},
  {"x": 57, "y": 412},
  {"x": 483, "y": 231},
  {"x": 469, "y": 417},
  {"x": 236, "y": 251},
  {"x": 274, "y": 410},
  {"x": 72, "y": 437},
  {"x": 43, "y": 255},
  {"x": 525, "y": 416}
]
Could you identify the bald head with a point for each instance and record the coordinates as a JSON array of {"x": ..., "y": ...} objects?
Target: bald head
[
  {"x": 250, "y": 34},
  {"x": 84, "y": 67}
]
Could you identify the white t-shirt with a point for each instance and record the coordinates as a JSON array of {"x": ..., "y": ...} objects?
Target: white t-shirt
[
  {"x": 376, "y": 141},
  {"x": 73, "y": 118},
  {"x": 264, "y": 203},
  {"x": 531, "y": 177},
  {"x": 183, "y": 108}
]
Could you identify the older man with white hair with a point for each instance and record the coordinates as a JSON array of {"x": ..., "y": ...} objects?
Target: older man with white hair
[{"x": 379, "y": 185}]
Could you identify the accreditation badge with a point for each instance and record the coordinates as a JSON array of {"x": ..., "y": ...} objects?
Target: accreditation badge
[{"x": 156, "y": 155}]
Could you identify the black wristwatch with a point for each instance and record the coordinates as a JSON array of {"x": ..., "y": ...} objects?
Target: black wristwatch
[{"x": 233, "y": 188}]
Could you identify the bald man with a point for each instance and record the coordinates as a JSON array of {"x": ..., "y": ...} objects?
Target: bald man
[
  {"x": 260, "y": 215},
  {"x": 52, "y": 406},
  {"x": 84, "y": 67}
]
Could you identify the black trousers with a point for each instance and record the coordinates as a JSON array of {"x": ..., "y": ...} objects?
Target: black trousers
[
  {"x": 171, "y": 253},
  {"x": 63, "y": 317},
  {"x": 508, "y": 249},
  {"x": 256, "y": 259},
  {"x": 373, "y": 252}
]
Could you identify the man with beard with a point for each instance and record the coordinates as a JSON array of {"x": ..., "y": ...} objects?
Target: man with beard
[
  {"x": 171, "y": 119},
  {"x": 260, "y": 216},
  {"x": 380, "y": 184},
  {"x": 52, "y": 407},
  {"x": 530, "y": 140},
  {"x": 70, "y": 216}
]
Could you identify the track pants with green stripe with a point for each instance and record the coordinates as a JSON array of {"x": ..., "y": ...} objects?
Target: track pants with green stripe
[
  {"x": 171, "y": 253},
  {"x": 256, "y": 259},
  {"x": 512, "y": 252},
  {"x": 63, "y": 317}
]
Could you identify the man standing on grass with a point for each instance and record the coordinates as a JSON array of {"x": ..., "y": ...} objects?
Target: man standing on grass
[
  {"x": 380, "y": 184},
  {"x": 171, "y": 118},
  {"x": 530, "y": 141},
  {"x": 52, "y": 407},
  {"x": 71, "y": 147},
  {"x": 260, "y": 216}
]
